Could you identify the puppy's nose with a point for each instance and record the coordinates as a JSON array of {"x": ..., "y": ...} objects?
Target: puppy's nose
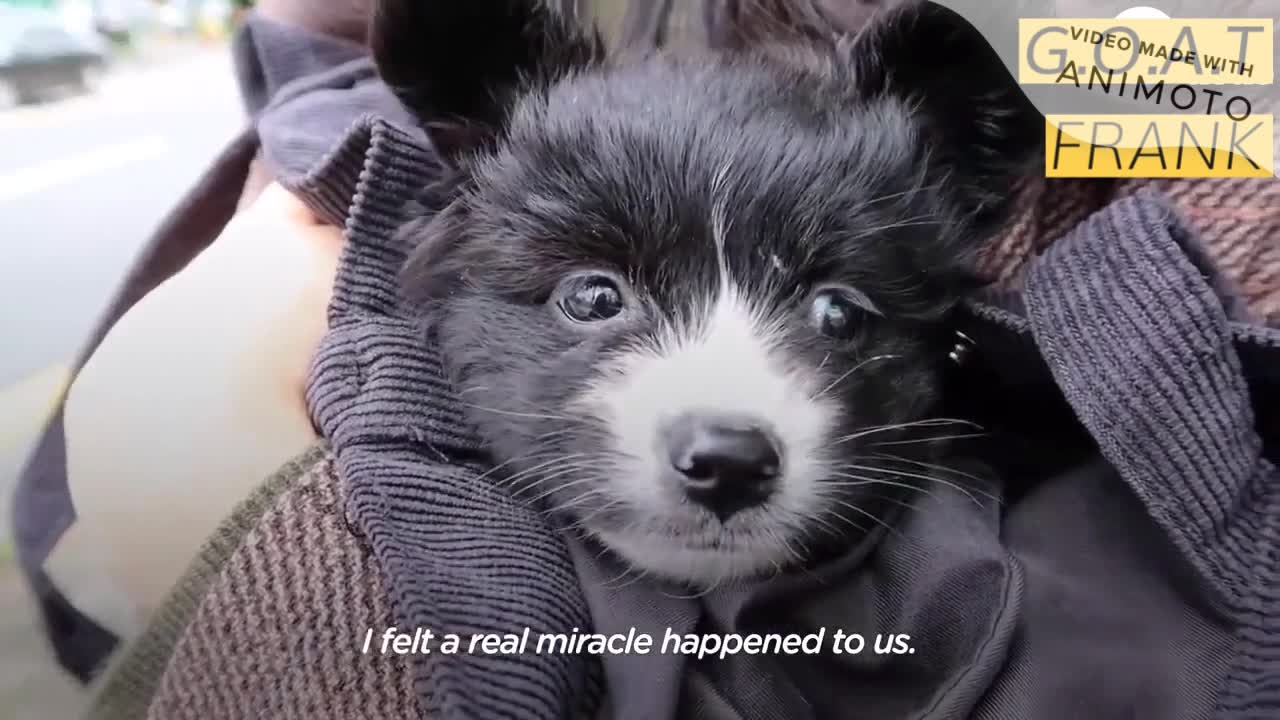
[{"x": 727, "y": 464}]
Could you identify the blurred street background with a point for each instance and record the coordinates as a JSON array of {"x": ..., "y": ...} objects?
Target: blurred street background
[
  {"x": 85, "y": 174},
  {"x": 109, "y": 112}
]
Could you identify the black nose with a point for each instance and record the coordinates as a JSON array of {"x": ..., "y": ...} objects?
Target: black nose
[{"x": 727, "y": 464}]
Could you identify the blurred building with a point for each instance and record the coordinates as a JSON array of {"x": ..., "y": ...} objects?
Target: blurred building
[{"x": 120, "y": 19}]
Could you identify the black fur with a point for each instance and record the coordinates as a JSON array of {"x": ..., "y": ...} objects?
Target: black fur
[
  {"x": 460, "y": 66},
  {"x": 875, "y": 162}
]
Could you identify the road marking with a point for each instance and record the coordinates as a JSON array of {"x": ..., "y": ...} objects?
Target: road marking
[{"x": 52, "y": 173}]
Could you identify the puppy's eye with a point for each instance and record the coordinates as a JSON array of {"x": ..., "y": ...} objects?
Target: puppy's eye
[
  {"x": 838, "y": 313},
  {"x": 591, "y": 298}
]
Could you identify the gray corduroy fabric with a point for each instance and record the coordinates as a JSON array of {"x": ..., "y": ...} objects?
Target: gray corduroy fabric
[{"x": 460, "y": 556}]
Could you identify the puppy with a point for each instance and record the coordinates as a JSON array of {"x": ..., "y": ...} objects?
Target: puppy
[{"x": 697, "y": 301}]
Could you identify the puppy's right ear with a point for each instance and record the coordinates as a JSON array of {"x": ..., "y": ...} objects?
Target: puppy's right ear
[{"x": 461, "y": 65}]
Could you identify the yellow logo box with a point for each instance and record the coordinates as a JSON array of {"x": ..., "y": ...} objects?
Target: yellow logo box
[
  {"x": 1201, "y": 51},
  {"x": 1159, "y": 146}
]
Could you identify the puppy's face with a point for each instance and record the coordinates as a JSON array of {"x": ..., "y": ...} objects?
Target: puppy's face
[{"x": 696, "y": 305}]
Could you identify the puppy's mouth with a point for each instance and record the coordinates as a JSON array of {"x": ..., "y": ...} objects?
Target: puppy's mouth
[
  {"x": 692, "y": 546},
  {"x": 703, "y": 561}
]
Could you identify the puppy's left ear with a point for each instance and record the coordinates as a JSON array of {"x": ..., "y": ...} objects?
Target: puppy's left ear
[
  {"x": 981, "y": 131},
  {"x": 461, "y": 65}
]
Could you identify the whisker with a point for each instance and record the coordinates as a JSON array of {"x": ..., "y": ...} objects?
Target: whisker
[
  {"x": 558, "y": 458},
  {"x": 777, "y": 538},
  {"x": 891, "y": 196},
  {"x": 864, "y": 480},
  {"x": 513, "y": 413},
  {"x": 562, "y": 486},
  {"x": 930, "y": 478},
  {"x": 604, "y": 550},
  {"x": 799, "y": 557},
  {"x": 941, "y": 468},
  {"x": 554, "y": 486},
  {"x": 860, "y": 511},
  {"x": 898, "y": 501},
  {"x": 627, "y": 569},
  {"x": 556, "y": 433},
  {"x": 937, "y": 438},
  {"x": 539, "y": 451},
  {"x": 532, "y": 480},
  {"x": 578, "y": 501},
  {"x": 582, "y": 522},
  {"x": 544, "y": 412},
  {"x": 925, "y": 423},
  {"x": 817, "y": 518},
  {"x": 921, "y": 220},
  {"x": 861, "y": 529},
  {"x": 855, "y": 368}
]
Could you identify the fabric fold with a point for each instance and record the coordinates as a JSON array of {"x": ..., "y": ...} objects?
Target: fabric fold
[
  {"x": 459, "y": 555},
  {"x": 1142, "y": 348},
  {"x": 1141, "y": 343}
]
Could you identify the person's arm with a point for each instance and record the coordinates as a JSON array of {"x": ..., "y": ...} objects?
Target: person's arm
[{"x": 196, "y": 394}]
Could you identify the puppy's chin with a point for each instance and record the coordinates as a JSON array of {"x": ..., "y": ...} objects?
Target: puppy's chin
[
  {"x": 688, "y": 546},
  {"x": 702, "y": 560}
]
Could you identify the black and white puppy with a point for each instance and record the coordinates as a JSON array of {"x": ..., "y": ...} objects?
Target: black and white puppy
[{"x": 697, "y": 301}]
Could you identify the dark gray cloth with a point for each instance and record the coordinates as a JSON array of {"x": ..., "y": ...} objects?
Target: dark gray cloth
[{"x": 1120, "y": 560}]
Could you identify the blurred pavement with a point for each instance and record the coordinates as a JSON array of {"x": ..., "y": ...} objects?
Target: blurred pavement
[{"x": 84, "y": 181}]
